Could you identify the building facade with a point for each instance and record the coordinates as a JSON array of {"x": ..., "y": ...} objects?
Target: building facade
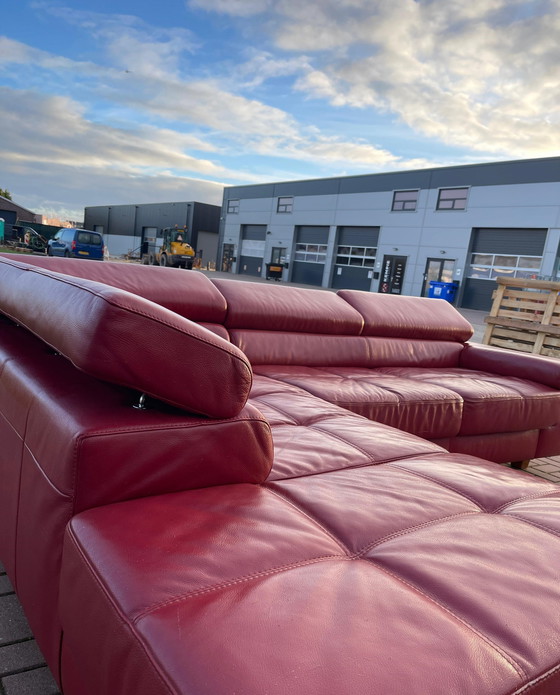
[
  {"x": 11, "y": 213},
  {"x": 396, "y": 232},
  {"x": 126, "y": 227}
]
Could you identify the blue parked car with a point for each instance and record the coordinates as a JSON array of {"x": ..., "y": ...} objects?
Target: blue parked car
[{"x": 76, "y": 243}]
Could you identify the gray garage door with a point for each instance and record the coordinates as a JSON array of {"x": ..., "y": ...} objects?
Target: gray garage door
[
  {"x": 500, "y": 252},
  {"x": 354, "y": 259},
  {"x": 252, "y": 249},
  {"x": 310, "y": 254}
]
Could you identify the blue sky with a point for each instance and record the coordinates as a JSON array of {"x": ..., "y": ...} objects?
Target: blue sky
[{"x": 125, "y": 102}]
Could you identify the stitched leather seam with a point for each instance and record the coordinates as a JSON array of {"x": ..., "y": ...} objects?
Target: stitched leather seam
[
  {"x": 536, "y": 681},
  {"x": 42, "y": 472},
  {"x": 121, "y": 616},
  {"x": 300, "y": 510},
  {"x": 278, "y": 570},
  {"x": 233, "y": 582},
  {"x": 447, "y": 486},
  {"x": 357, "y": 466},
  {"x": 363, "y": 451},
  {"x": 542, "y": 527},
  {"x": 156, "y": 428},
  {"x": 485, "y": 638},
  {"x": 275, "y": 407},
  {"x": 524, "y": 498},
  {"x": 411, "y": 529}
]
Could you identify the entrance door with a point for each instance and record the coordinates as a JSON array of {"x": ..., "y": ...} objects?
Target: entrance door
[
  {"x": 438, "y": 270},
  {"x": 228, "y": 257},
  {"x": 278, "y": 255}
]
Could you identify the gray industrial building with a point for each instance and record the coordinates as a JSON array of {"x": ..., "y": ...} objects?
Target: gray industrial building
[
  {"x": 396, "y": 232},
  {"x": 126, "y": 227}
]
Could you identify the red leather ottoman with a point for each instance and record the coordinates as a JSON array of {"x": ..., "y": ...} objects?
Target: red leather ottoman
[{"x": 432, "y": 576}]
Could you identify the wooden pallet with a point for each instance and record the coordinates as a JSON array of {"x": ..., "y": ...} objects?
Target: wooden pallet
[{"x": 525, "y": 316}]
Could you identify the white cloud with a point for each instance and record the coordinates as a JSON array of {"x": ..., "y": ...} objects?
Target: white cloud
[
  {"x": 262, "y": 66},
  {"x": 234, "y": 120},
  {"x": 129, "y": 43},
  {"x": 56, "y": 190},
  {"x": 239, "y": 8},
  {"x": 54, "y": 129},
  {"x": 483, "y": 75}
]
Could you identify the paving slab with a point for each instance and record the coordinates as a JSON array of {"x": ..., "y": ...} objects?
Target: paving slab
[
  {"x": 20, "y": 656},
  {"x": 13, "y": 623},
  {"x": 5, "y": 585},
  {"x": 36, "y": 682}
]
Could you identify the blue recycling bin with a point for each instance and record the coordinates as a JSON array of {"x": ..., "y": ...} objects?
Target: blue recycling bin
[{"x": 443, "y": 290}]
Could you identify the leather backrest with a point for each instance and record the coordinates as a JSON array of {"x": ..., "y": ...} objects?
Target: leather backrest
[
  {"x": 125, "y": 339},
  {"x": 310, "y": 350},
  {"x": 400, "y": 316}
]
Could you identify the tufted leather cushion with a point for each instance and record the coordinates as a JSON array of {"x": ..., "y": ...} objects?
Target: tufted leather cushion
[{"x": 432, "y": 576}]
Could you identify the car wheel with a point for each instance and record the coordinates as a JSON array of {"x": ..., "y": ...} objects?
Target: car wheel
[
  {"x": 66, "y": 254},
  {"x": 163, "y": 260},
  {"x": 49, "y": 251}
]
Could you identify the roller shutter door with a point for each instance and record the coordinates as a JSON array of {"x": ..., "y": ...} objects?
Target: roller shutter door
[
  {"x": 491, "y": 246},
  {"x": 252, "y": 249},
  {"x": 354, "y": 257},
  {"x": 310, "y": 253}
]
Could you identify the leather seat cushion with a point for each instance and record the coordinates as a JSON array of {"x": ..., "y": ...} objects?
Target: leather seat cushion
[
  {"x": 491, "y": 403},
  {"x": 431, "y": 403},
  {"x": 311, "y": 436},
  {"x": 420, "y": 576},
  {"x": 426, "y": 409}
]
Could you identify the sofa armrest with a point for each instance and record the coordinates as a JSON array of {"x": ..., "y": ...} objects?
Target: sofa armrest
[{"x": 544, "y": 370}]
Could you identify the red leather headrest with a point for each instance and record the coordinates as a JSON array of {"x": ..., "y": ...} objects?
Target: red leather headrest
[
  {"x": 400, "y": 316},
  {"x": 119, "y": 337},
  {"x": 265, "y": 307},
  {"x": 189, "y": 294}
]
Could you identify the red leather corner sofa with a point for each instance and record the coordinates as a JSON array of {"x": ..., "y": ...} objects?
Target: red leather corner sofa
[{"x": 224, "y": 487}]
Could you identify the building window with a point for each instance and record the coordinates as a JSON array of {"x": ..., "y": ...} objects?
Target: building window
[
  {"x": 488, "y": 266},
  {"x": 405, "y": 201},
  {"x": 311, "y": 253},
  {"x": 452, "y": 199},
  {"x": 361, "y": 256},
  {"x": 233, "y": 207},
  {"x": 285, "y": 204}
]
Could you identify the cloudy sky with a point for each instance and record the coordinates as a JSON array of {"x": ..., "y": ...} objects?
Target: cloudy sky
[{"x": 114, "y": 101}]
